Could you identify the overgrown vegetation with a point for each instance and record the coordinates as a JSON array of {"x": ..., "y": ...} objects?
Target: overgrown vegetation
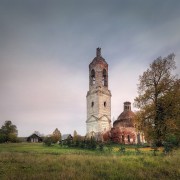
[{"x": 82, "y": 143}]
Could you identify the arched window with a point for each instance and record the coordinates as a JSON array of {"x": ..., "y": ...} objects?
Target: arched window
[
  {"x": 122, "y": 138},
  {"x": 104, "y": 78},
  {"x": 93, "y": 79},
  {"x": 128, "y": 138},
  {"x": 92, "y": 104},
  {"x": 104, "y": 103}
]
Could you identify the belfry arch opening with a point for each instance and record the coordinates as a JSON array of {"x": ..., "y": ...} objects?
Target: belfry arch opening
[
  {"x": 104, "y": 78},
  {"x": 93, "y": 78}
]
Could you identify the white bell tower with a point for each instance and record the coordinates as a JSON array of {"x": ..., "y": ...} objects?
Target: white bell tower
[{"x": 98, "y": 97}]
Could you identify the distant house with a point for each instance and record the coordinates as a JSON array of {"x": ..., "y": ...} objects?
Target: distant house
[
  {"x": 67, "y": 137},
  {"x": 34, "y": 138}
]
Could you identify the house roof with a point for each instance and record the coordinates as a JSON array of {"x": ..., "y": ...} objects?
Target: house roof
[
  {"x": 65, "y": 136},
  {"x": 34, "y": 135}
]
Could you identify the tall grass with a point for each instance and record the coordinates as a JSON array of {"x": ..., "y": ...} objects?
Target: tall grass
[{"x": 32, "y": 161}]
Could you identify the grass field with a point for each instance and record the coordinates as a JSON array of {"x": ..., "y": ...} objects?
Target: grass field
[{"x": 36, "y": 161}]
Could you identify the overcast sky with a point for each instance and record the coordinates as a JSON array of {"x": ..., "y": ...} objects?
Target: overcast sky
[{"x": 47, "y": 45}]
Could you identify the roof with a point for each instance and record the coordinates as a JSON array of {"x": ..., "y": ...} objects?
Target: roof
[
  {"x": 34, "y": 135},
  {"x": 65, "y": 136},
  {"x": 125, "y": 119},
  {"x": 126, "y": 115},
  {"x": 98, "y": 60}
]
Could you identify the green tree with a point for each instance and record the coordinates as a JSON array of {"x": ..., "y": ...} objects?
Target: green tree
[
  {"x": 8, "y": 132},
  {"x": 156, "y": 88},
  {"x": 170, "y": 110},
  {"x": 56, "y": 136}
]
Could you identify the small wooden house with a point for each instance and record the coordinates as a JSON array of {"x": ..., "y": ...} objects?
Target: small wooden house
[
  {"x": 67, "y": 137},
  {"x": 34, "y": 138}
]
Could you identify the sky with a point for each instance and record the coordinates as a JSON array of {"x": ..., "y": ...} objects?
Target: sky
[{"x": 46, "y": 47}]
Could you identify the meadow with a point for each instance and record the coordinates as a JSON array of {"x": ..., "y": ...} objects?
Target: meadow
[{"x": 36, "y": 161}]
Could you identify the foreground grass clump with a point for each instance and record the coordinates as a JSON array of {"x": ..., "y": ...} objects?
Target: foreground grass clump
[{"x": 22, "y": 161}]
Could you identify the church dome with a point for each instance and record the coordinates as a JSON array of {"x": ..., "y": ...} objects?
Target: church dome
[{"x": 126, "y": 118}]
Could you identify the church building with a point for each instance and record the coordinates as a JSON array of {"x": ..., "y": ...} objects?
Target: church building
[
  {"x": 124, "y": 129},
  {"x": 98, "y": 97},
  {"x": 98, "y": 123}
]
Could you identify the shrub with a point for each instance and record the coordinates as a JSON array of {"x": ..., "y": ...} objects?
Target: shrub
[
  {"x": 101, "y": 146},
  {"x": 82, "y": 144},
  {"x": 170, "y": 143},
  {"x": 93, "y": 144},
  {"x": 154, "y": 149},
  {"x": 122, "y": 149},
  {"x": 48, "y": 141},
  {"x": 137, "y": 150}
]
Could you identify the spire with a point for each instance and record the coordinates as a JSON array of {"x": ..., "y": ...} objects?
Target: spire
[{"x": 98, "y": 52}]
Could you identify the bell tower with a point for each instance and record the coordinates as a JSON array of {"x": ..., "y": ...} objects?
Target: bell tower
[{"x": 98, "y": 97}]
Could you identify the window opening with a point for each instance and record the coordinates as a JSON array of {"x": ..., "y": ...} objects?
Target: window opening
[
  {"x": 92, "y": 104},
  {"x": 122, "y": 138},
  {"x": 128, "y": 138},
  {"x": 105, "y": 104},
  {"x": 93, "y": 79},
  {"x": 104, "y": 78}
]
